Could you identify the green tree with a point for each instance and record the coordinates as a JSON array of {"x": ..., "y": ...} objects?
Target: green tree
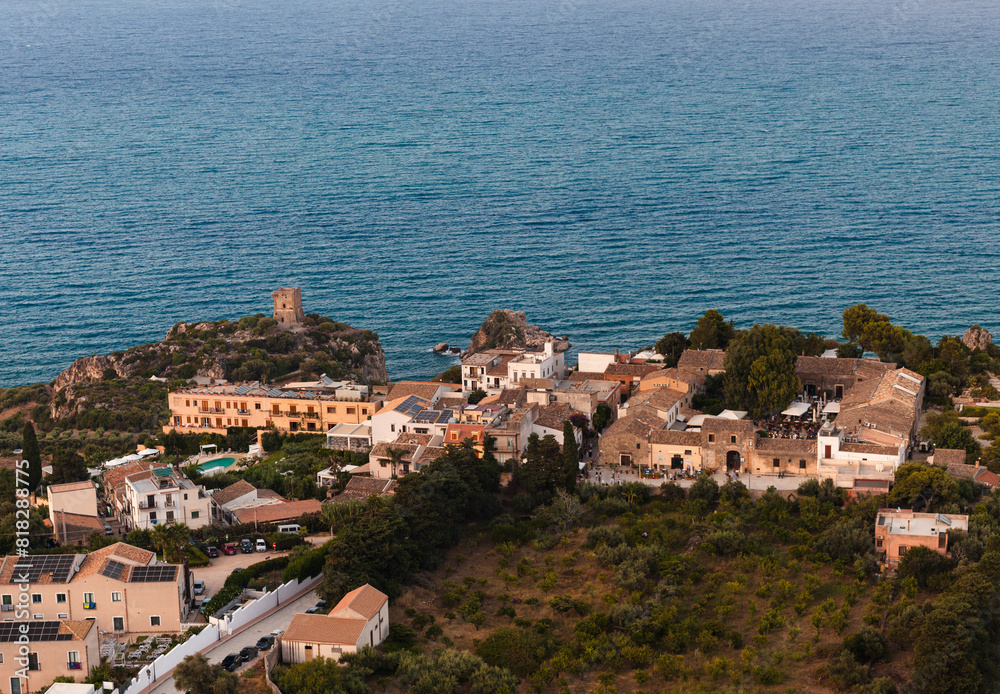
[
  {"x": 316, "y": 676},
  {"x": 760, "y": 371},
  {"x": 712, "y": 332},
  {"x": 68, "y": 466},
  {"x": 476, "y": 396},
  {"x": 196, "y": 675},
  {"x": 705, "y": 488},
  {"x": 850, "y": 350},
  {"x": 671, "y": 346},
  {"x": 571, "y": 456},
  {"x": 31, "y": 453},
  {"x": 453, "y": 374},
  {"x": 922, "y": 563},
  {"x": 542, "y": 470},
  {"x": 945, "y": 430},
  {"x": 920, "y": 486},
  {"x": 602, "y": 415}
]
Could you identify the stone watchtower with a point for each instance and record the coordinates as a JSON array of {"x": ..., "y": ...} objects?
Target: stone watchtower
[{"x": 288, "y": 306}]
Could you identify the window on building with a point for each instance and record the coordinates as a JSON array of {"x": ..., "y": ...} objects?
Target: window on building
[
  {"x": 352, "y": 410},
  {"x": 244, "y": 422},
  {"x": 60, "y": 597},
  {"x": 73, "y": 660},
  {"x": 152, "y": 517},
  {"x": 185, "y": 497},
  {"x": 154, "y": 621},
  {"x": 775, "y": 462},
  {"x": 229, "y": 421},
  {"x": 711, "y": 438},
  {"x": 36, "y": 598},
  {"x": 61, "y": 615},
  {"x": 187, "y": 403},
  {"x": 256, "y": 405},
  {"x": 329, "y": 410},
  {"x": 802, "y": 465},
  {"x": 195, "y": 515},
  {"x": 732, "y": 439},
  {"x": 878, "y": 543},
  {"x": 88, "y": 599},
  {"x": 392, "y": 427},
  {"x": 687, "y": 452},
  {"x": 902, "y": 550},
  {"x": 170, "y": 516},
  {"x": 38, "y": 616},
  {"x": 116, "y": 596},
  {"x": 275, "y": 409},
  {"x": 118, "y": 623},
  {"x": 218, "y": 422}
]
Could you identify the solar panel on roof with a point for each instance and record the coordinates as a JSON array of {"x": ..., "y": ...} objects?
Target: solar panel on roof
[
  {"x": 35, "y": 631},
  {"x": 113, "y": 569},
  {"x": 153, "y": 574},
  {"x": 275, "y": 393},
  {"x": 32, "y": 567},
  {"x": 244, "y": 389}
]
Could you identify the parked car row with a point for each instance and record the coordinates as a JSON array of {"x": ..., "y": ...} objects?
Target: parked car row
[{"x": 232, "y": 661}]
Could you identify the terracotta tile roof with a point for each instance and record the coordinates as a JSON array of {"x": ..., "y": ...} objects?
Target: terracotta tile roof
[
  {"x": 115, "y": 476},
  {"x": 95, "y": 561},
  {"x": 671, "y": 437},
  {"x": 949, "y": 456},
  {"x": 658, "y": 398},
  {"x": 872, "y": 448},
  {"x": 233, "y": 491},
  {"x": 422, "y": 389},
  {"x": 586, "y": 376},
  {"x": 633, "y": 370},
  {"x": 278, "y": 512},
  {"x": 381, "y": 450},
  {"x": 723, "y": 424},
  {"x": 990, "y": 479},
  {"x": 702, "y": 360},
  {"x": 512, "y": 396},
  {"x": 73, "y": 526},
  {"x": 319, "y": 628},
  {"x": 464, "y": 431},
  {"x": 793, "y": 446},
  {"x": 269, "y": 494},
  {"x": 79, "y": 629},
  {"x": 640, "y": 425},
  {"x": 365, "y": 601},
  {"x": 961, "y": 470},
  {"x": 70, "y": 487}
]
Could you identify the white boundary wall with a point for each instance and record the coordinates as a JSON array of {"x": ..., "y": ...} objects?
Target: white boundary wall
[{"x": 212, "y": 633}]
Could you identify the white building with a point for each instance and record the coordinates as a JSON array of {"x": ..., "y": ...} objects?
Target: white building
[
  {"x": 164, "y": 496},
  {"x": 409, "y": 415},
  {"x": 495, "y": 369},
  {"x": 360, "y": 619}
]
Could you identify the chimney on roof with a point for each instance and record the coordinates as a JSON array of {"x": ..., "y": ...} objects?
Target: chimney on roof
[{"x": 977, "y": 463}]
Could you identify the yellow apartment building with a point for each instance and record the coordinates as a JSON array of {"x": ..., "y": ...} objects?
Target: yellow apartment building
[{"x": 214, "y": 408}]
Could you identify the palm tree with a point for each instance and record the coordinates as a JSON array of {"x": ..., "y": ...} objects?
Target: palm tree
[{"x": 395, "y": 457}]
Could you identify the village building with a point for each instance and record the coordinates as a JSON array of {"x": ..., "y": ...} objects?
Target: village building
[
  {"x": 241, "y": 495},
  {"x": 665, "y": 403},
  {"x": 213, "y": 408},
  {"x": 493, "y": 370},
  {"x": 363, "y": 488},
  {"x": 953, "y": 460},
  {"x": 73, "y": 511},
  {"x": 409, "y": 415},
  {"x": 704, "y": 362},
  {"x": 273, "y": 514},
  {"x": 626, "y": 441},
  {"x": 143, "y": 495},
  {"x": 360, "y": 619},
  {"x": 407, "y": 453},
  {"x": 834, "y": 377},
  {"x": 350, "y": 437},
  {"x": 675, "y": 450},
  {"x": 897, "y": 531},
  {"x": 56, "y": 648},
  {"x": 120, "y": 587}
]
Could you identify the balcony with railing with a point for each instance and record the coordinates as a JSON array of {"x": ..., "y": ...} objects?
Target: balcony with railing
[
  {"x": 74, "y": 666},
  {"x": 211, "y": 410}
]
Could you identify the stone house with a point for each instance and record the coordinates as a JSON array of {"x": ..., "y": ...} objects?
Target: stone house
[{"x": 626, "y": 441}]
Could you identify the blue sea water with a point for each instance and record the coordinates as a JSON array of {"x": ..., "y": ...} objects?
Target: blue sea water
[{"x": 613, "y": 168}]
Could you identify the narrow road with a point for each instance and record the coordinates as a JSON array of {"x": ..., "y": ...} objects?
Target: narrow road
[{"x": 279, "y": 619}]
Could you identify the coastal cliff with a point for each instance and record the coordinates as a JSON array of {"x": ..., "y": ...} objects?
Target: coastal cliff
[
  {"x": 508, "y": 329},
  {"x": 127, "y": 390}
]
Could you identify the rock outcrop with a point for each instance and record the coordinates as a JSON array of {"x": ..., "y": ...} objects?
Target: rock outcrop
[
  {"x": 507, "y": 329},
  {"x": 977, "y": 337}
]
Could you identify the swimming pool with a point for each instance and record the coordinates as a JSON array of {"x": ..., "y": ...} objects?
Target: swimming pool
[{"x": 211, "y": 467}]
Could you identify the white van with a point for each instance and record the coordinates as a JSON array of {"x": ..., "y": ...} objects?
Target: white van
[
  {"x": 261, "y": 545},
  {"x": 291, "y": 528}
]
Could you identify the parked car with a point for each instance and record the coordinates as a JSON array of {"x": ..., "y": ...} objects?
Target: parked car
[
  {"x": 199, "y": 587},
  {"x": 277, "y": 632},
  {"x": 231, "y": 661},
  {"x": 246, "y": 546},
  {"x": 265, "y": 643},
  {"x": 107, "y": 529},
  {"x": 229, "y": 548},
  {"x": 261, "y": 545},
  {"x": 317, "y": 607},
  {"x": 212, "y": 552},
  {"x": 248, "y": 654}
]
